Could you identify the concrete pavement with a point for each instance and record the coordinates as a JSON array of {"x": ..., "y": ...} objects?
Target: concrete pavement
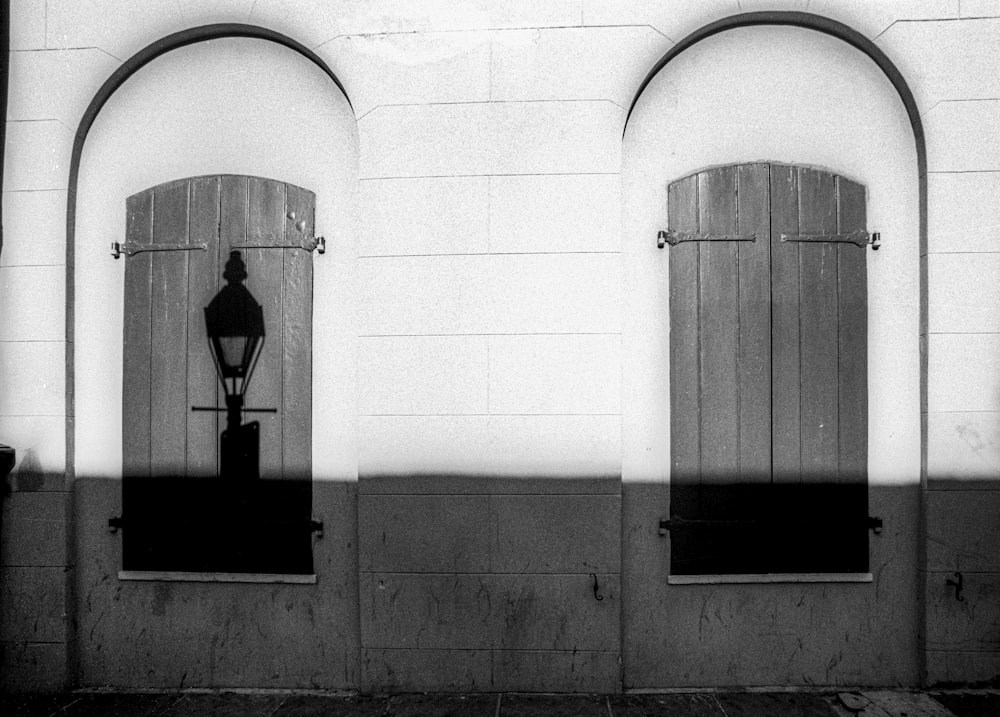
[{"x": 864, "y": 703}]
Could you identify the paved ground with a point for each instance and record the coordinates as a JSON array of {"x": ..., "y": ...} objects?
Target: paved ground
[{"x": 883, "y": 703}]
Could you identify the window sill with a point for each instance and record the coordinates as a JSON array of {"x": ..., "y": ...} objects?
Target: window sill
[
  {"x": 770, "y": 578},
  {"x": 179, "y": 577}
]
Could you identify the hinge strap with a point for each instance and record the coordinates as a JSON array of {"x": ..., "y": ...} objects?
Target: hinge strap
[
  {"x": 317, "y": 244},
  {"x": 859, "y": 237},
  {"x": 676, "y": 522},
  {"x": 674, "y": 237},
  {"x": 132, "y": 248}
]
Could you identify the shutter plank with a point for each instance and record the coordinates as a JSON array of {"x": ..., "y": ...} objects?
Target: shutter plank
[
  {"x": 753, "y": 210},
  {"x": 168, "y": 365},
  {"x": 785, "y": 445},
  {"x": 685, "y": 399},
  {"x": 233, "y": 218},
  {"x": 137, "y": 339},
  {"x": 296, "y": 343},
  {"x": 853, "y": 320},
  {"x": 719, "y": 325},
  {"x": 819, "y": 343},
  {"x": 204, "y": 281},
  {"x": 264, "y": 271}
]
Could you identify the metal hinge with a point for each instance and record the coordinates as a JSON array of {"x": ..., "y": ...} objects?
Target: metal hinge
[
  {"x": 860, "y": 237},
  {"x": 308, "y": 244},
  {"x": 130, "y": 248},
  {"x": 674, "y": 237}
]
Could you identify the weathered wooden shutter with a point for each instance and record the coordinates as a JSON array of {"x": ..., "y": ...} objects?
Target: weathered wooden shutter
[
  {"x": 178, "y": 514},
  {"x": 767, "y": 370}
]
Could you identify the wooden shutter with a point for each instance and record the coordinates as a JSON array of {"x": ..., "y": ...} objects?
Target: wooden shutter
[
  {"x": 767, "y": 364},
  {"x": 179, "y": 514},
  {"x": 819, "y": 350}
]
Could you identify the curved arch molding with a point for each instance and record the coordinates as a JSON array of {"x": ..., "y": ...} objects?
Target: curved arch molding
[
  {"x": 811, "y": 22},
  {"x": 855, "y": 39},
  {"x": 128, "y": 68}
]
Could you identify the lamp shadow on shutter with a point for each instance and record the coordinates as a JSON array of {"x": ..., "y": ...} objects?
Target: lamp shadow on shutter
[{"x": 236, "y": 520}]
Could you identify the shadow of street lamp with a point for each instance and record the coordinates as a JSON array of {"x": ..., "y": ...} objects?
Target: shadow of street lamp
[{"x": 234, "y": 322}]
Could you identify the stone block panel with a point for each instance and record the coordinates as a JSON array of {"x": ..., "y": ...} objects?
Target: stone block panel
[
  {"x": 963, "y": 450},
  {"x": 556, "y": 534},
  {"x": 574, "y": 63},
  {"x": 34, "y": 225},
  {"x": 427, "y": 215},
  {"x": 497, "y": 294},
  {"x": 35, "y": 530},
  {"x": 961, "y": 212},
  {"x": 955, "y": 136},
  {"x": 422, "y": 375},
  {"x": 581, "y": 137},
  {"x": 56, "y": 84},
  {"x": 963, "y": 372},
  {"x": 407, "y": 68},
  {"x": 963, "y": 294},
  {"x": 577, "y": 671},
  {"x": 412, "y": 533},
  {"x": 398, "y": 670},
  {"x": 27, "y": 24},
  {"x": 533, "y": 612},
  {"x": 401, "y": 670},
  {"x": 40, "y": 444},
  {"x": 34, "y": 667},
  {"x": 953, "y": 668},
  {"x": 37, "y": 155},
  {"x": 34, "y": 301},
  {"x": 969, "y": 625},
  {"x": 963, "y": 531},
  {"x": 945, "y": 60},
  {"x": 33, "y": 378},
  {"x": 34, "y": 604},
  {"x": 555, "y": 213},
  {"x": 555, "y": 374}
]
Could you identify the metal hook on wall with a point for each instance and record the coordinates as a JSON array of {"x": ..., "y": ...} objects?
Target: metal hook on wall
[
  {"x": 597, "y": 588},
  {"x": 958, "y": 584}
]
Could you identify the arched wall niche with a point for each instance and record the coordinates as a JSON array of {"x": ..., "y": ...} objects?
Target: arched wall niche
[
  {"x": 794, "y": 89},
  {"x": 214, "y": 100}
]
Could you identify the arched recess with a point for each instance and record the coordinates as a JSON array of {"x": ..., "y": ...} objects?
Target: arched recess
[
  {"x": 281, "y": 78},
  {"x": 798, "y": 89},
  {"x": 234, "y": 100}
]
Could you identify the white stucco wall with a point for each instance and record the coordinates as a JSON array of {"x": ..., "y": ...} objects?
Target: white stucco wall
[{"x": 492, "y": 263}]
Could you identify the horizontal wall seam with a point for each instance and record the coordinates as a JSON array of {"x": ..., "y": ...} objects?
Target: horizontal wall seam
[
  {"x": 573, "y": 650},
  {"x": 377, "y": 107},
  {"x": 495, "y": 174},
  {"x": 452, "y": 31},
  {"x": 489, "y": 253},
  {"x": 963, "y": 171},
  {"x": 460, "y": 496},
  {"x": 64, "y": 49},
  {"x": 479, "y": 574},
  {"x": 524, "y": 333},
  {"x": 460, "y": 176},
  {"x": 479, "y": 415}
]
